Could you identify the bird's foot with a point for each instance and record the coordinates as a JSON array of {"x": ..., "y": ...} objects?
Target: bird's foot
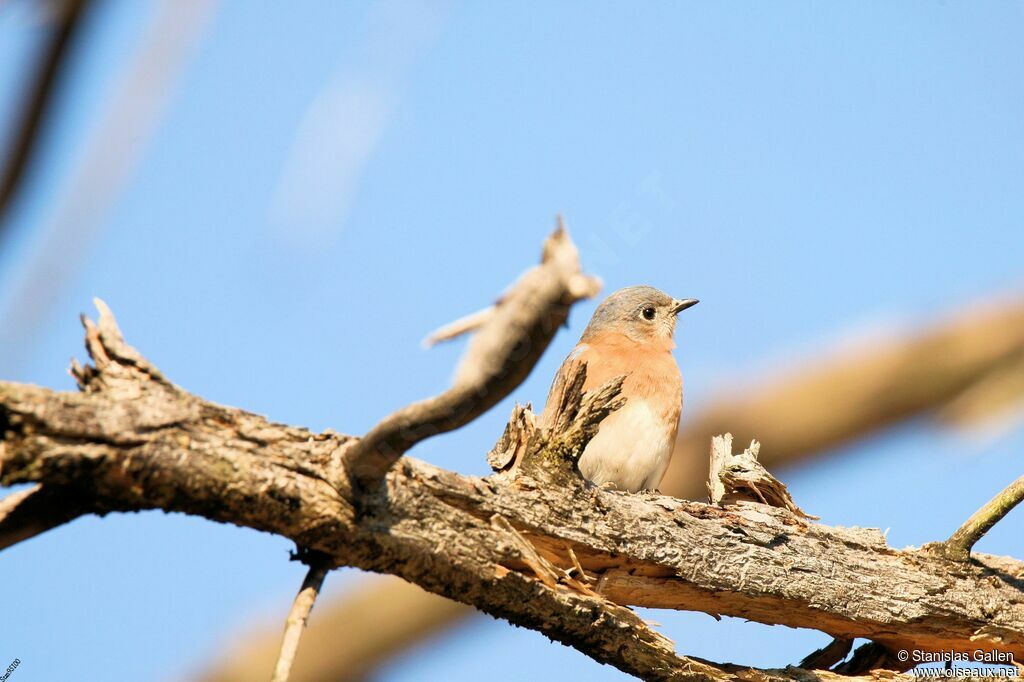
[{"x": 606, "y": 485}]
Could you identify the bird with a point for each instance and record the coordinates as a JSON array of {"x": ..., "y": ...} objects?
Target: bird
[{"x": 631, "y": 334}]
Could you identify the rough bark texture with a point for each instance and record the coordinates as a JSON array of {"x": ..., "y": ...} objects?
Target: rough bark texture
[
  {"x": 737, "y": 477},
  {"x": 963, "y": 370},
  {"x": 562, "y": 559}
]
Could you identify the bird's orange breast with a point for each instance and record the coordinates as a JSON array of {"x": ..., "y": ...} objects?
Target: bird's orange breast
[
  {"x": 633, "y": 445},
  {"x": 651, "y": 372}
]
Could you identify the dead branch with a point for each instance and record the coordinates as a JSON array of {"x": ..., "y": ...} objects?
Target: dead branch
[
  {"x": 28, "y": 513},
  {"x": 739, "y": 476},
  {"x": 298, "y": 616},
  {"x": 958, "y": 546},
  {"x": 827, "y": 656},
  {"x": 463, "y": 325},
  {"x": 399, "y": 618},
  {"x": 132, "y": 441},
  {"x": 504, "y": 348},
  {"x": 826, "y": 403}
]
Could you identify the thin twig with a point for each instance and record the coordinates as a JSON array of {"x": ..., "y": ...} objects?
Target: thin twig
[
  {"x": 297, "y": 617},
  {"x": 958, "y": 546},
  {"x": 461, "y": 326}
]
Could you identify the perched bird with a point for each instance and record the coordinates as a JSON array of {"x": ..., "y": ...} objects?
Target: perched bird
[{"x": 630, "y": 335}]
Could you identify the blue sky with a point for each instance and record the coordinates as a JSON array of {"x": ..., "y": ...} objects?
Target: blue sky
[{"x": 328, "y": 182}]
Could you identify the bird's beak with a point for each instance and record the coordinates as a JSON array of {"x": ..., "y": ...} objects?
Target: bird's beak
[{"x": 679, "y": 306}]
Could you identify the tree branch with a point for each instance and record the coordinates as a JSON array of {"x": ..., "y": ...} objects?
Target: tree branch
[
  {"x": 958, "y": 546},
  {"x": 108, "y": 157},
  {"x": 297, "y": 617},
  {"x": 30, "y": 512},
  {"x": 67, "y": 21},
  {"x": 399, "y": 617},
  {"x": 739, "y": 476},
  {"x": 132, "y": 441},
  {"x": 505, "y": 346},
  {"x": 827, "y": 656},
  {"x": 823, "y": 403}
]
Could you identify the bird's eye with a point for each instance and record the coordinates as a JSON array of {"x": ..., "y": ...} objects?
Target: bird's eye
[{"x": 648, "y": 313}]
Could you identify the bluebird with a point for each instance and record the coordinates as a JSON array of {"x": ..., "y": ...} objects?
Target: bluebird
[{"x": 631, "y": 335}]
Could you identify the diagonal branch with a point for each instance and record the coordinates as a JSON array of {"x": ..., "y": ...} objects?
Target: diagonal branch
[
  {"x": 134, "y": 441},
  {"x": 111, "y": 151},
  {"x": 827, "y": 656},
  {"x": 505, "y": 346},
  {"x": 68, "y": 15},
  {"x": 958, "y": 546}
]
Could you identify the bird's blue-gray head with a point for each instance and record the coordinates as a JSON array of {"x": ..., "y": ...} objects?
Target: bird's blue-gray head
[{"x": 641, "y": 313}]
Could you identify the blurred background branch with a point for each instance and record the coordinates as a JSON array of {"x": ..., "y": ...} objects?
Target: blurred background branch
[
  {"x": 114, "y": 148},
  {"x": 846, "y": 181},
  {"x": 942, "y": 371},
  {"x": 808, "y": 412},
  {"x": 66, "y": 18}
]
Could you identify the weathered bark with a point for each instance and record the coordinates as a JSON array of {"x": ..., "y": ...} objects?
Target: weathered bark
[
  {"x": 959, "y": 370},
  {"x": 737, "y": 477},
  {"x": 132, "y": 440}
]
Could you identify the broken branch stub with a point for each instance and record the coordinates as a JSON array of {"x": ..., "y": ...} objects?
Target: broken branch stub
[
  {"x": 551, "y": 450},
  {"x": 515, "y": 440},
  {"x": 737, "y": 477}
]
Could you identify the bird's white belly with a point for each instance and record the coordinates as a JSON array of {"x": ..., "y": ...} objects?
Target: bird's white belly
[{"x": 631, "y": 450}]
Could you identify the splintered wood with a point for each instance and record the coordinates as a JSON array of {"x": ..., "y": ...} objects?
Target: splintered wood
[
  {"x": 515, "y": 440},
  {"x": 740, "y": 477}
]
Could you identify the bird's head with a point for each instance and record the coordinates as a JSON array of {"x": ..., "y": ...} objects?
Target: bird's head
[{"x": 643, "y": 314}]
